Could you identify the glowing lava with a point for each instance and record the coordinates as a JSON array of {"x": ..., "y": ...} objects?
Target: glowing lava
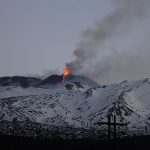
[{"x": 67, "y": 73}]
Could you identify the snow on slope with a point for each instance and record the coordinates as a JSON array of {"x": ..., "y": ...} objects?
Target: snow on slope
[{"x": 79, "y": 105}]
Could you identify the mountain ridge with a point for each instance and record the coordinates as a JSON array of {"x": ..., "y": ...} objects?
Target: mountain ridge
[{"x": 75, "y": 103}]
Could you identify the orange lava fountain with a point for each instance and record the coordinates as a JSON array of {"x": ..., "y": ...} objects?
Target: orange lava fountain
[{"x": 67, "y": 73}]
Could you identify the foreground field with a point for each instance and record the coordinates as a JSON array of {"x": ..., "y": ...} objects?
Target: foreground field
[{"x": 20, "y": 143}]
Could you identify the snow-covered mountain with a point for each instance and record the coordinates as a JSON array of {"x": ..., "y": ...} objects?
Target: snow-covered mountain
[
  {"x": 78, "y": 102},
  {"x": 19, "y": 81}
]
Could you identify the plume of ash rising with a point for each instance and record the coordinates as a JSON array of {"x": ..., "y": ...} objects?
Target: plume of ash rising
[{"x": 117, "y": 47}]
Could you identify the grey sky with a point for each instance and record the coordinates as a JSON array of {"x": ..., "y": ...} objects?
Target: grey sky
[
  {"x": 39, "y": 35},
  {"x": 117, "y": 47}
]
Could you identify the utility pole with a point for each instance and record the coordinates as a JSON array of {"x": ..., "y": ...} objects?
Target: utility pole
[
  {"x": 114, "y": 143},
  {"x": 109, "y": 124},
  {"x": 114, "y": 124}
]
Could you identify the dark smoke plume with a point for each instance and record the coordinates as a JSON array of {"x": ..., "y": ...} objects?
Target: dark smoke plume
[{"x": 118, "y": 46}]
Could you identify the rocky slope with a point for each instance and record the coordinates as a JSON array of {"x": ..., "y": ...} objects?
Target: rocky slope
[{"x": 79, "y": 102}]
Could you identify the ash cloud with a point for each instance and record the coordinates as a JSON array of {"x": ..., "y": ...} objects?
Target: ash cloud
[{"x": 117, "y": 47}]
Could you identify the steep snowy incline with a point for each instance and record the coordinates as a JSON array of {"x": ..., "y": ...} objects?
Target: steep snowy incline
[{"x": 129, "y": 101}]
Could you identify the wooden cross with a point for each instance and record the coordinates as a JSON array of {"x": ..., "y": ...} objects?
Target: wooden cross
[{"x": 114, "y": 124}]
